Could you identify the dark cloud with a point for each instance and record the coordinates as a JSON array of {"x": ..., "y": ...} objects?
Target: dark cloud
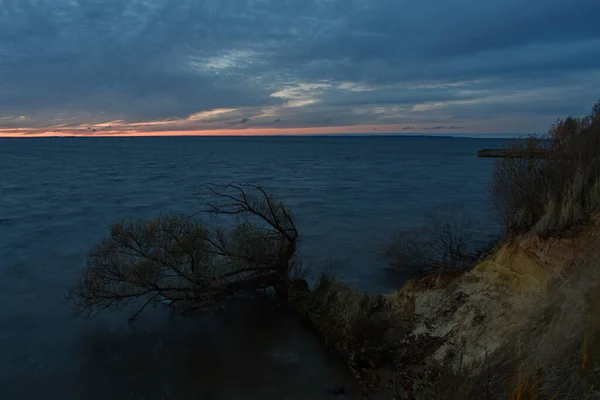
[
  {"x": 320, "y": 121},
  {"x": 442, "y": 127},
  {"x": 462, "y": 65},
  {"x": 242, "y": 121}
]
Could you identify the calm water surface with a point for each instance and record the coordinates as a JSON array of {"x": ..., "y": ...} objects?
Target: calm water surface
[{"x": 58, "y": 196}]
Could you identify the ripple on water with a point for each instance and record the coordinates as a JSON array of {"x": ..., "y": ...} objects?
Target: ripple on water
[{"x": 57, "y": 198}]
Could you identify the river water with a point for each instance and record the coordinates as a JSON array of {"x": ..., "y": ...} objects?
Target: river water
[{"x": 59, "y": 195}]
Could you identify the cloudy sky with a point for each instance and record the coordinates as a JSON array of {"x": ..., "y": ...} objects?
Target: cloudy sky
[{"x": 295, "y": 66}]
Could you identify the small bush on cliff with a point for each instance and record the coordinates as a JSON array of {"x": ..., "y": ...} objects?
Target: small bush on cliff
[
  {"x": 186, "y": 262},
  {"x": 353, "y": 322},
  {"x": 444, "y": 242},
  {"x": 364, "y": 328},
  {"x": 551, "y": 194}
]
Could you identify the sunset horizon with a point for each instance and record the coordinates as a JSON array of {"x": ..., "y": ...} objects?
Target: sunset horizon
[
  {"x": 299, "y": 199},
  {"x": 269, "y": 132},
  {"x": 154, "y": 67}
]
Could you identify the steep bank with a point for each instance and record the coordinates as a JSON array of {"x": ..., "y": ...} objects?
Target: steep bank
[
  {"x": 465, "y": 323},
  {"x": 476, "y": 311}
]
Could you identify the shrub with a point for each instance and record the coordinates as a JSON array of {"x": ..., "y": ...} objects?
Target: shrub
[
  {"x": 186, "y": 262},
  {"x": 552, "y": 193},
  {"x": 445, "y": 241}
]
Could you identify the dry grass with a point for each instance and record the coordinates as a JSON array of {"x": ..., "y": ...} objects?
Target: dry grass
[
  {"x": 550, "y": 194},
  {"x": 371, "y": 331},
  {"x": 526, "y": 389},
  {"x": 561, "y": 349},
  {"x": 556, "y": 354},
  {"x": 355, "y": 323}
]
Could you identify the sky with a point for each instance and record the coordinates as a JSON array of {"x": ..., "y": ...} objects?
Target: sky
[{"x": 246, "y": 67}]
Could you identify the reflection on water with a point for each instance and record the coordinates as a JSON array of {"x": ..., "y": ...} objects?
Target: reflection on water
[
  {"x": 57, "y": 198},
  {"x": 251, "y": 351},
  {"x": 258, "y": 352}
]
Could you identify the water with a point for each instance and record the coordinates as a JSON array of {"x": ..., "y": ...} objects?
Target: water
[{"x": 58, "y": 196}]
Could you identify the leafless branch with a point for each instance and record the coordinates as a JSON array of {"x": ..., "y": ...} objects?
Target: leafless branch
[
  {"x": 445, "y": 241},
  {"x": 183, "y": 260}
]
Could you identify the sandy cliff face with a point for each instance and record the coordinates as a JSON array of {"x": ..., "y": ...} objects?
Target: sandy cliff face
[
  {"x": 527, "y": 301},
  {"x": 477, "y": 311}
]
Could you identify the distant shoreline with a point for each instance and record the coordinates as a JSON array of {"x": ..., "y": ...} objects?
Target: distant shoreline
[{"x": 326, "y": 135}]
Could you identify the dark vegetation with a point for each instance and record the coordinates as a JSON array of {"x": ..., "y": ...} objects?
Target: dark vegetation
[
  {"x": 444, "y": 242},
  {"x": 532, "y": 147},
  {"x": 196, "y": 262},
  {"x": 551, "y": 194}
]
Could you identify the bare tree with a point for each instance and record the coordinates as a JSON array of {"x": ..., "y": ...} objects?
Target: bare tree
[
  {"x": 185, "y": 261},
  {"x": 553, "y": 193},
  {"x": 445, "y": 241}
]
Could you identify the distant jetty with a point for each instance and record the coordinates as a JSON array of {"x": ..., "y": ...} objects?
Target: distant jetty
[{"x": 514, "y": 153}]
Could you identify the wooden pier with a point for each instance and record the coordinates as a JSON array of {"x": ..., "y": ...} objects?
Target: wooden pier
[{"x": 513, "y": 153}]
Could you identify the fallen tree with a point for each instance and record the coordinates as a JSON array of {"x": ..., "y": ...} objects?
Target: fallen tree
[{"x": 190, "y": 262}]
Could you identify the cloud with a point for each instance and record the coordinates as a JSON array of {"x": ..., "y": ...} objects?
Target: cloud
[
  {"x": 159, "y": 65},
  {"x": 242, "y": 121},
  {"x": 442, "y": 127},
  {"x": 320, "y": 122}
]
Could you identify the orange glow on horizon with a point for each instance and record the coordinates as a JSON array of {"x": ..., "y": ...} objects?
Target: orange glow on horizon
[{"x": 355, "y": 129}]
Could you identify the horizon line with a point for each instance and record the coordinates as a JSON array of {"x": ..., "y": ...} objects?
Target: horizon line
[{"x": 213, "y": 135}]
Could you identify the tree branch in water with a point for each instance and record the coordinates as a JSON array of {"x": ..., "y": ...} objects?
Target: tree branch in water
[{"x": 182, "y": 260}]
